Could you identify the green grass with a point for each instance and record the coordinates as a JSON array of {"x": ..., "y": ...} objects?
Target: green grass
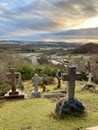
[
  {"x": 31, "y": 53},
  {"x": 36, "y": 114}
]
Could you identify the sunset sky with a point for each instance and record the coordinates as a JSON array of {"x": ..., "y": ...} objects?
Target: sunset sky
[{"x": 49, "y": 20}]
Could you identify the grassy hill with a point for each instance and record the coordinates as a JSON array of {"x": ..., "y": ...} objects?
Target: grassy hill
[
  {"x": 91, "y": 48},
  {"x": 36, "y": 114}
]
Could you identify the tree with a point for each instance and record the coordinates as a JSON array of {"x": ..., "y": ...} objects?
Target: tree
[{"x": 58, "y": 76}]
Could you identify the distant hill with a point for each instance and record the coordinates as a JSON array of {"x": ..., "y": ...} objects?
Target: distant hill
[
  {"x": 87, "y": 48},
  {"x": 30, "y": 45}
]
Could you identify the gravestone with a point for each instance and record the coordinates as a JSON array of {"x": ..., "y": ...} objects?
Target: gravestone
[
  {"x": 89, "y": 76},
  {"x": 70, "y": 105},
  {"x": 44, "y": 88},
  {"x": 20, "y": 84},
  {"x": 13, "y": 93},
  {"x": 36, "y": 93},
  {"x": 44, "y": 81},
  {"x": 53, "y": 94},
  {"x": 44, "y": 78}
]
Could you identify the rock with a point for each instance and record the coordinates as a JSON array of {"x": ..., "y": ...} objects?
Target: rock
[{"x": 65, "y": 106}]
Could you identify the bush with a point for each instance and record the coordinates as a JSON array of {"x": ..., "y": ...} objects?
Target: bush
[
  {"x": 49, "y": 70},
  {"x": 4, "y": 88},
  {"x": 84, "y": 75},
  {"x": 95, "y": 79},
  {"x": 27, "y": 71}
]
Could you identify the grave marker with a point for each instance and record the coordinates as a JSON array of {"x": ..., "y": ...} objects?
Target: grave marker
[
  {"x": 71, "y": 77},
  {"x": 13, "y": 93},
  {"x": 70, "y": 105},
  {"x": 89, "y": 76},
  {"x": 20, "y": 84},
  {"x": 12, "y": 75},
  {"x": 36, "y": 92}
]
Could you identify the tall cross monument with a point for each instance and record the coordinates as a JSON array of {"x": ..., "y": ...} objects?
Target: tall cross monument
[
  {"x": 71, "y": 77},
  {"x": 12, "y": 75},
  {"x": 70, "y": 105}
]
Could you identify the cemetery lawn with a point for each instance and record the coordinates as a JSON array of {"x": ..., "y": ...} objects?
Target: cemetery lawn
[{"x": 36, "y": 114}]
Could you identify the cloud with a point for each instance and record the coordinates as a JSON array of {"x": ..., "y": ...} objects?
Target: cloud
[
  {"x": 43, "y": 18},
  {"x": 90, "y": 33},
  {"x": 70, "y": 35}
]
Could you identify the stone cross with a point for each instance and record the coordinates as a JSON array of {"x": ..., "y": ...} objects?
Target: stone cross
[
  {"x": 71, "y": 77},
  {"x": 12, "y": 75},
  {"x": 36, "y": 80},
  {"x": 89, "y": 76}
]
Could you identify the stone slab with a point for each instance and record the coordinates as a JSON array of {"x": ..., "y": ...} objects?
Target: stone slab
[
  {"x": 36, "y": 94},
  {"x": 17, "y": 95},
  {"x": 13, "y": 93},
  {"x": 92, "y": 128},
  {"x": 14, "y": 97},
  {"x": 51, "y": 95}
]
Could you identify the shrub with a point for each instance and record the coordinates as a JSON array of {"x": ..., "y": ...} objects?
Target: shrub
[
  {"x": 27, "y": 71},
  {"x": 83, "y": 75},
  {"x": 4, "y": 88},
  {"x": 95, "y": 79},
  {"x": 49, "y": 70}
]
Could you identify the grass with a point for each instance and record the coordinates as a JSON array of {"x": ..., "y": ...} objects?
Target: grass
[
  {"x": 28, "y": 54},
  {"x": 36, "y": 114}
]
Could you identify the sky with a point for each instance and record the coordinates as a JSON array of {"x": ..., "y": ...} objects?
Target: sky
[{"x": 49, "y": 20}]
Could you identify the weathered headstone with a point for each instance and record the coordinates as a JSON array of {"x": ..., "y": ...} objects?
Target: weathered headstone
[
  {"x": 89, "y": 76},
  {"x": 12, "y": 75},
  {"x": 36, "y": 93},
  {"x": 53, "y": 95},
  {"x": 71, "y": 77},
  {"x": 70, "y": 105},
  {"x": 44, "y": 82},
  {"x": 44, "y": 88},
  {"x": 13, "y": 93},
  {"x": 20, "y": 84}
]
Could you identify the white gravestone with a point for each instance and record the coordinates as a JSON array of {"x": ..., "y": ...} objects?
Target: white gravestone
[
  {"x": 89, "y": 76},
  {"x": 36, "y": 93}
]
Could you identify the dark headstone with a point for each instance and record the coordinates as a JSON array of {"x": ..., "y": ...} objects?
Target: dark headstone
[
  {"x": 71, "y": 77},
  {"x": 44, "y": 88},
  {"x": 70, "y": 105}
]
